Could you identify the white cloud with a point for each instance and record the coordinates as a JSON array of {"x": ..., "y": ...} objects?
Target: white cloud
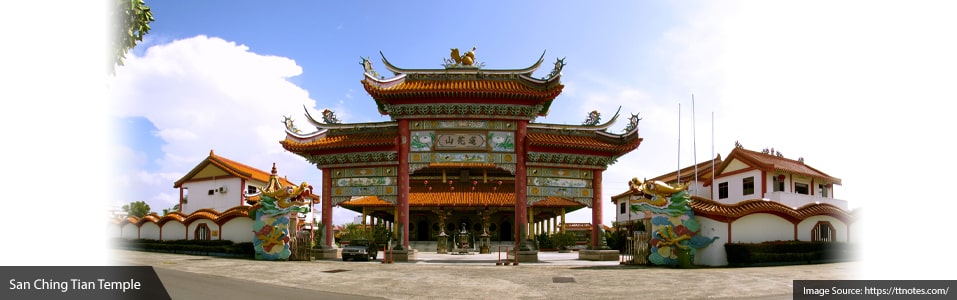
[
  {"x": 206, "y": 93},
  {"x": 859, "y": 89}
]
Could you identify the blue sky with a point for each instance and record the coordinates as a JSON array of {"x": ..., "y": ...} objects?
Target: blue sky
[
  {"x": 818, "y": 81},
  {"x": 862, "y": 90}
]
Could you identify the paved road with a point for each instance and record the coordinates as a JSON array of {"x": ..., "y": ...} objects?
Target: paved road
[
  {"x": 558, "y": 276},
  {"x": 186, "y": 285}
]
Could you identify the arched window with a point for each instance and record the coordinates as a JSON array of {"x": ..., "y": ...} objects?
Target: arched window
[
  {"x": 201, "y": 233},
  {"x": 822, "y": 232}
]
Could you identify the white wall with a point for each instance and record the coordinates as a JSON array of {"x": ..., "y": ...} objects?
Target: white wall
[
  {"x": 130, "y": 231},
  {"x": 150, "y": 231},
  {"x": 714, "y": 254},
  {"x": 238, "y": 230},
  {"x": 805, "y": 227},
  {"x": 857, "y": 231},
  {"x": 209, "y": 223},
  {"x": 761, "y": 227},
  {"x": 736, "y": 189},
  {"x": 174, "y": 230},
  {"x": 199, "y": 197},
  {"x": 698, "y": 189}
]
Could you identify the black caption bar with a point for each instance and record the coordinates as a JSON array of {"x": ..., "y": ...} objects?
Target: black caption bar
[
  {"x": 84, "y": 282},
  {"x": 873, "y": 289}
]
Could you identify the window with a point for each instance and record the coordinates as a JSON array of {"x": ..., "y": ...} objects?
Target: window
[
  {"x": 822, "y": 190},
  {"x": 211, "y": 192},
  {"x": 778, "y": 183},
  {"x": 722, "y": 190},
  {"x": 201, "y": 233},
  {"x": 748, "y": 186},
  {"x": 623, "y": 206},
  {"x": 822, "y": 232},
  {"x": 800, "y": 188},
  {"x": 251, "y": 189}
]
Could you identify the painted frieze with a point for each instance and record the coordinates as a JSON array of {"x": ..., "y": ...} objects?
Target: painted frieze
[
  {"x": 573, "y": 184},
  {"x": 368, "y": 181}
]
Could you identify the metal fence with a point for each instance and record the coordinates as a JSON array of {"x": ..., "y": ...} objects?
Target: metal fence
[
  {"x": 636, "y": 248},
  {"x": 300, "y": 246}
]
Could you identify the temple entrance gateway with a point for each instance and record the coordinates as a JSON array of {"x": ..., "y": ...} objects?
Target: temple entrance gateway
[{"x": 462, "y": 152}]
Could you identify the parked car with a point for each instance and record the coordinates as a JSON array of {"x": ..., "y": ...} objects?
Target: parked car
[{"x": 360, "y": 249}]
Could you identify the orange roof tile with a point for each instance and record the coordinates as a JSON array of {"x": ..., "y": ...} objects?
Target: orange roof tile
[
  {"x": 770, "y": 163},
  {"x": 593, "y": 142},
  {"x": 557, "y": 202},
  {"x": 366, "y": 201},
  {"x": 206, "y": 213},
  {"x": 480, "y": 88},
  {"x": 729, "y": 212},
  {"x": 687, "y": 173},
  {"x": 229, "y": 166},
  {"x": 342, "y": 141}
]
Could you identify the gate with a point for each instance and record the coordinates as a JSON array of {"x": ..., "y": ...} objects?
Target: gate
[{"x": 301, "y": 245}]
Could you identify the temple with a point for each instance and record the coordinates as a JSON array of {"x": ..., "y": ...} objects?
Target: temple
[{"x": 462, "y": 151}]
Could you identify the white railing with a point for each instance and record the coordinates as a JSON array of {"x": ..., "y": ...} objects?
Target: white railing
[{"x": 798, "y": 200}]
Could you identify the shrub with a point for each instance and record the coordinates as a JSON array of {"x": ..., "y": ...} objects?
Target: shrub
[
  {"x": 544, "y": 241},
  {"x": 563, "y": 240},
  {"x": 216, "y": 247},
  {"x": 787, "y": 252}
]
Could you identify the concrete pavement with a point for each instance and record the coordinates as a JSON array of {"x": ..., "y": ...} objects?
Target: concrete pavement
[{"x": 557, "y": 276}]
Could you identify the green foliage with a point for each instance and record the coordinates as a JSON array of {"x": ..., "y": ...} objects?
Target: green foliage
[
  {"x": 131, "y": 22},
  {"x": 563, "y": 240},
  {"x": 355, "y": 231},
  {"x": 787, "y": 252},
  {"x": 175, "y": 208},
  {"x": 544, "y": 241},
  {"x": 615, "y": 239},
  {"x": 137, "y": 209},
  {"x": 198, "y": 247},
  {"x": 381, "y": 234}
]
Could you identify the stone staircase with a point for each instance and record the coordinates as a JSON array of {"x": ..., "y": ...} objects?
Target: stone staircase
[{"x": 430, "y": 246}]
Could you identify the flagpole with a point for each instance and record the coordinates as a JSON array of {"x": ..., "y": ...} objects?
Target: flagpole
[
  {"x": 694, "y": 147},
  {"x": 679, "y": 143}
]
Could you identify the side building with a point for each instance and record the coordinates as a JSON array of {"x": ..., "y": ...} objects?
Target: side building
[
  {"x": 755, "y": 197},
  {"x": 223, "y": 193}
]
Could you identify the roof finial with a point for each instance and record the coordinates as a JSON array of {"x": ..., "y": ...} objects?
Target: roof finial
[
  {"x": 211, "y": 152},
  {"x": 274, "y": 168}
]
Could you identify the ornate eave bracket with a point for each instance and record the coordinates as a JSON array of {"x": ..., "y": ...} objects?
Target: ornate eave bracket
[
  {"x": 571, "y": 159},
  {"x": 531, "y": 200},
  {"x": 524, "y": 112},
  {"x": 356, "y": 158}
]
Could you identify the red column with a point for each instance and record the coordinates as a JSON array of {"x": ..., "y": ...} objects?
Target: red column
[
  {"x": 764, "y": 184},
  {"x": 521, "y": 219},
  {"x": 242, "y": 191},
  {"x": 402, "y": 200},
  {"x": 596, "y": 209},
  {"x": 327, "y": 205},
  {"x": 181, "y": 208}
]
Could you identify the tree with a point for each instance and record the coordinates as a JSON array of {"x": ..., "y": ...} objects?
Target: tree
[
  {"x": 175, "y": 208},
  {"x": 132, "y": 18},
  {"x": 137, "y": 209}
]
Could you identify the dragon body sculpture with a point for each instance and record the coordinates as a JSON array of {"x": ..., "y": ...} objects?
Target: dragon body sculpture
[
  {"x": 673, "y": 227},
  {"x": 275, "y": 217}
]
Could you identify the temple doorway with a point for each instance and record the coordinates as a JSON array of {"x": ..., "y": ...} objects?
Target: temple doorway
[
  {"x": 422, "y": 234},
  {"x": 506, "y": 233}
]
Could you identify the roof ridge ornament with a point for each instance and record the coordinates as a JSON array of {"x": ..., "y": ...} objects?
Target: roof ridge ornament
[
  {"x": 367, "y": 67},
  {"x": 290, "y": 125},
  {"x": 632, "y": 123},
  {"x": 593, "y": 118},
  {"x": 557, "y": 71},
  {"x": 462, "y": 61},
  {"x": 329, "y": 117}
]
